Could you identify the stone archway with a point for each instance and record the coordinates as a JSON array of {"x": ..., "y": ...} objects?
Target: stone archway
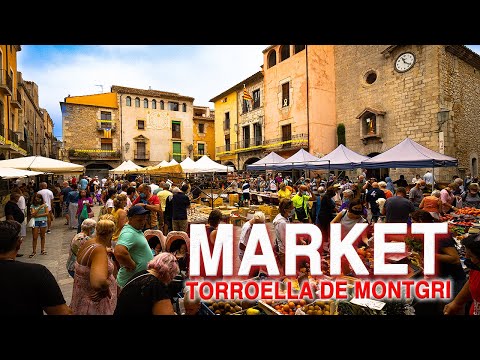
[
  {"x": 229, "y": 163},
  {"x": 97, "y": 169},
  {"x": 249, "y": 161},
  {"x": 378, "y": 173}
]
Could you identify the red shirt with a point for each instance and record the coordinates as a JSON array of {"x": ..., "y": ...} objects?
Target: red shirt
[{"x": 474, "y": 283}]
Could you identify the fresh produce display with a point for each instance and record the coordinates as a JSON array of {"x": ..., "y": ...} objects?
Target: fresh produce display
[
  {"x": 319, "y": 308},
  {"x": 226, "y": 307},
  {"x": 468, "y": 211}
]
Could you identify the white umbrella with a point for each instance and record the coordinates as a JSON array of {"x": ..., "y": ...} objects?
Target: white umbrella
[
  {"x": 11, "y": 173},
  {"x": 43, "y": 164}
]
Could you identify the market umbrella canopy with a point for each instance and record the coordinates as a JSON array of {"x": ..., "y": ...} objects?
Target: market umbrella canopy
[
  {"x": 127, "y": 165},
  {"x": 172, "y": 162},
  {"x": 267, "y": 162},
  {"x": 409, "y": 154},
  {"x": 171, "y": 169},
  {"x": 11, "y": 173},
  {"x": 342, "y": 158},
  {"x": 43, "y": 164}
]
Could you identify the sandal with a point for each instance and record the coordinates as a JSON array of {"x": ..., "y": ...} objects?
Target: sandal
[
  {"x": 43, "y": 252},
  {"x": 32, "y": 255}
]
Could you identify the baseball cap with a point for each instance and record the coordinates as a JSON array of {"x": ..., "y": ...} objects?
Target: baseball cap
[{"x": 137, "y": 210}]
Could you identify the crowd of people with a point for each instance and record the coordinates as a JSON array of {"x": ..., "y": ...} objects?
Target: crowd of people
[{"x": 119, "y": 262}]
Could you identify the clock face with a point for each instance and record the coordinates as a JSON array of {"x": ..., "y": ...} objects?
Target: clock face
[{"x": 404, "y": 62}]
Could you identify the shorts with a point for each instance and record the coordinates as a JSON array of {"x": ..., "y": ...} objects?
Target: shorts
[
  {"x": 246, "y": 196},
  {"x": 41, "y": 224}
]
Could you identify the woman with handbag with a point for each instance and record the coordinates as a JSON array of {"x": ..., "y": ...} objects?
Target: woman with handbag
[
  {"x": 84, "y": 210},
  {"x": 38, "y": 212}
]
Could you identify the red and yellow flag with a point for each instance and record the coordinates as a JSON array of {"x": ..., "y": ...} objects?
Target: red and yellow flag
[
  {"x": 107, "y": 133},
  {"x": 246, "y": 95}
]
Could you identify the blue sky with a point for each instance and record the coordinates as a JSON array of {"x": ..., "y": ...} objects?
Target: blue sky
[{"x": 199, "y": 71}]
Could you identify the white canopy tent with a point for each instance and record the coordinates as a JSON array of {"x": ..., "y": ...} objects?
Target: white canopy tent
[
  {"x": 42, "y": 164},
  {"x": 207, "y": 165},
  {"x": 188, "y": 165},
  {"x": 126, "y": 166},
  {"x": 11, "y": 173}
]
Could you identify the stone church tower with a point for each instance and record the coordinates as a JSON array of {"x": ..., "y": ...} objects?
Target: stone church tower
[{"x": 429, "y": 93}]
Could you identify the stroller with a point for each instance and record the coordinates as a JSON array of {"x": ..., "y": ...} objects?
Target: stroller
[{"x": 178, "y": 243}]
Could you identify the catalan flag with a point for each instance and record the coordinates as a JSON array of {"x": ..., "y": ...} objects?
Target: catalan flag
[
  {"x": 246, "y": 95},
  {"x": 107, "y": 133}
]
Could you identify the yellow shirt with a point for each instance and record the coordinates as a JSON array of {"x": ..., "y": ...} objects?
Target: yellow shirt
[
  {"x": 163, "y": 195},
  {"x": 284, "y": 194}
]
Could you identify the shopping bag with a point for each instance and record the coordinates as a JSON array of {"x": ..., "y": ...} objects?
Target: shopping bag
[
  {"x": 31, "y": 223},
  {"x": 84, "y": 213}
]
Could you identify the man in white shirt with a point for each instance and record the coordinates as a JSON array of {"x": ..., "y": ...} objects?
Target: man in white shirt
[
  {"x": 428, "y": 177},
  {"x": 47, "y": 196}
]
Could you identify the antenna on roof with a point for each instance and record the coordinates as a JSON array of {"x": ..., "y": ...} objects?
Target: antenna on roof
[{"x": 100, "y": 86}]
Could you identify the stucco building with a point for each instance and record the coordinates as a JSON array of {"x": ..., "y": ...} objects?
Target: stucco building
[
  {"x": 203, "y": 133},
  {"x": 91, "y": 132},
  {"x": 11, "y": 105},
  {"x": 156, "y": 125},
  {"x": 299, "y": 98},
  {"x": 429, "y": 93}
]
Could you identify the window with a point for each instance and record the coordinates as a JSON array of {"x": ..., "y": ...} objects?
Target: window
[
  {"x": 128, "y": 101},
  {"x": 201, "y": 128},
  {"x": 162, "y": 105},
  {"x": 272, "y": 58},
  {"x": 154, "y": 104},
  {"x": 226, "y": 122},
  {"x": 173, "y": 106},
  {"x": 201, "y": 149},
  {"x": 141, "y": 153},
  {"x": 286, "y": 134},
  {"x": 106, "y": 144},
  {"x": 298, "y": 48},
  {"x": 227, "y": 143},
  {"x": 141, "y": 124},
  {"x": 245, "y": 106},
  {"x": 257, "y": 131},
  {"x": 284, "y": 52},
  {"x": 256, "y": 99},
  {"x": 176, "y": 134},
  {"x": 184, "y": 107},
  {"x": 285, "y": 94},
  {"x": 137, "y": 102},
  {"x": 246, "y": 136},
  {"x": 177, "y": 151},
  {"x": 145, "y": 103},
  {"x": 105, "y": 115}
]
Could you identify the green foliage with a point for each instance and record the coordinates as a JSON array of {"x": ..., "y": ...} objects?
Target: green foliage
[{"x": 341, "y": 134}]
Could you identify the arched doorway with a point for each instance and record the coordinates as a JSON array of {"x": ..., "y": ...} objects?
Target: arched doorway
[
  {"x": 229, "y": 163},
  {"x": 378, "y": 173},
  {"x": 249, "y": 162},
  {"x": 100, "y": 170}
]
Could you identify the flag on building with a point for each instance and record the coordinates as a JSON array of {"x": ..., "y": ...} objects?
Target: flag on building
[
  {"x": 107, "y": 133},
  {"x": 246, "y": 95}
]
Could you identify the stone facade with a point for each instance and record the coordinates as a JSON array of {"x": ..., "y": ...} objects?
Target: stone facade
[
  {"x": 430, "y": 103},
  {"x": 251, "y": 123},
  {"x": 460, "y": 95},
  {"x": 83, "y": 136}
]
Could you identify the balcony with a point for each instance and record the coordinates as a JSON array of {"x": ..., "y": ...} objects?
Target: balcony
[
  {"x": 6, "y": 83},
  {"x": 17, "y": 100},
  {"x": 106, "y": 124},
  {"x": 11, "y": 143},
  {"x": 296, "y": 142},
  {"x": 94, "y": 154},
  {"x": 226, "y": 150},
  {"x": 141, "y": 155},
  {"x": 250, "y": 145}
]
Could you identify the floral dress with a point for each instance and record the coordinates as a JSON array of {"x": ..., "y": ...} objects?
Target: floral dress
[{"x": 81, "y": 303}]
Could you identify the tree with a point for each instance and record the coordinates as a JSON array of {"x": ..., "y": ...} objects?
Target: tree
[{"x": 341, "y": 134}]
